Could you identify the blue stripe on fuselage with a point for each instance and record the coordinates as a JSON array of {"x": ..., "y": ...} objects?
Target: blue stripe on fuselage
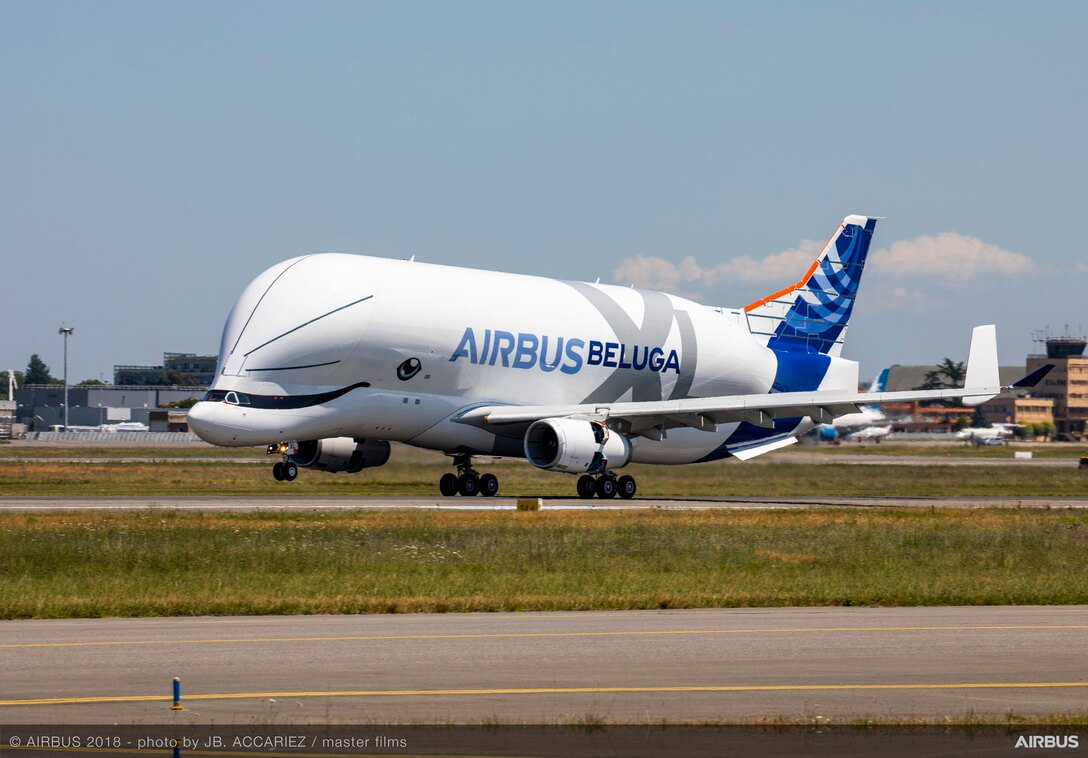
[{"x": 797, "y": 372}]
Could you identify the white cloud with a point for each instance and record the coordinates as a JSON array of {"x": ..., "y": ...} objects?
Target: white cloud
[
  {"x": 884, "y": 297},
  {"x": 948, "y": 260},
  {"x": 949, "y": 256},
  {"x": 690, "y": 279}
]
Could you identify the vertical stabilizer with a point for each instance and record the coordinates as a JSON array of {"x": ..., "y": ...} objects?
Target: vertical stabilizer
[{"x": 811, "y": 316}]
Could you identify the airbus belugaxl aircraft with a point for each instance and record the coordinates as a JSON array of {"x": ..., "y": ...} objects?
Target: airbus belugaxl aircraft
[{"x": 327, "y": 358}]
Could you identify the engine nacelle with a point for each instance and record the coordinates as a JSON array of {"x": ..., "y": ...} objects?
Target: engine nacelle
[
  {"x": 341, "y": 454},
  {"x": 575, "y": 446}
]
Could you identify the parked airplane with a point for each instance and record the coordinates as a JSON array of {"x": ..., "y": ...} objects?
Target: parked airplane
[
  {"x": 851, "y": 423},
  {"x": 327, "y": 358}
]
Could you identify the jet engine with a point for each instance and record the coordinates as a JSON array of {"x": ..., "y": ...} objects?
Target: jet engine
[
  {"x": 575, "y": 446},
  {"x": 341, "y": 454}
]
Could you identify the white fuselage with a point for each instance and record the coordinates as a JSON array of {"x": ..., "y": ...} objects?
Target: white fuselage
[{"x": 431, "y": 342}]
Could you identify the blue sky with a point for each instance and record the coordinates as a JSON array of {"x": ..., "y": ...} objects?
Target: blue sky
[{"x": 155, "y": 157}]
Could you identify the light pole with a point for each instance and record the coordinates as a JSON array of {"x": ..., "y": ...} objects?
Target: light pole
[{"x": 65, "y": 330}]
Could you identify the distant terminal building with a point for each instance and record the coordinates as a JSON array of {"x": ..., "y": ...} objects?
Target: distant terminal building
[
  {"x": 184, "y": 369},
  {"x": 1066, "y": 385},
  {"x": 1025, "y": 409},
  {"x": 41, "y": 406}
]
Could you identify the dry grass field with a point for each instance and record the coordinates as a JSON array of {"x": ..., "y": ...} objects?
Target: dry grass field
[{"x": 171, "y": 563}]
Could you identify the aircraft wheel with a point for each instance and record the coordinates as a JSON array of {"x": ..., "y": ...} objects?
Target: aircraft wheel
[
  {"x": 277, "y": 471},
  {"x": 489, "y": 485},
  {"x": 606, "y": 487},
  {"x": 290, "y": 471},
  {"x": 627, "y": 487},
  {"x": 468, "y": 485},
  {"x": 447, "y": 485},
  {"x": 586, "y": 486}
]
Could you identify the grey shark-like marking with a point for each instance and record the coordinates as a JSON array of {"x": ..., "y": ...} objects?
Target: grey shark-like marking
[{"x": 658, "y": 315}]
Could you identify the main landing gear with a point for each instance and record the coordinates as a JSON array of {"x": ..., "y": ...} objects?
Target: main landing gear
[
  {"x": 607, "y": 486},
  {"x": 467, "y": 481}
]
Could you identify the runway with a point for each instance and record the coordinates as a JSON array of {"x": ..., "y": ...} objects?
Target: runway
[
  {"x": 288, "y": 503},
  {"x": 744, "y": 665}
]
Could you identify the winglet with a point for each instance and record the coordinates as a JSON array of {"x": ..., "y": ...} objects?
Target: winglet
[
  {"x": 1036, "y": 376},
  {"x": 982, "y": 364}
]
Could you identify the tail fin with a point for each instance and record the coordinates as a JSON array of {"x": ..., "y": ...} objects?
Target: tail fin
[
  {"x": 879, "y": 385},
  {"x": 811, "y": 315},
  {"x": 881, "y": 382}
]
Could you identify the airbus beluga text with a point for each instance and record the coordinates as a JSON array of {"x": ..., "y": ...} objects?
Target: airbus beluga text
[{"x": 327, "y": 358}]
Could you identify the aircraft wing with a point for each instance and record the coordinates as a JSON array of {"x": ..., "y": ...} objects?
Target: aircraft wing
[{"x": 650, "y": 418}]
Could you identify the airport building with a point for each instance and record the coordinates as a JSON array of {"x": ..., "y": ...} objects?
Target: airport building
[
  {"x": 184, "y": 369},
  {"x": 136, "y": 397},
  {"x": 7, "y": 419},
  {"x": 1066, "y": 385},
  {"x": 41, "y": 406},
  {"x": 919, "y": 417}
]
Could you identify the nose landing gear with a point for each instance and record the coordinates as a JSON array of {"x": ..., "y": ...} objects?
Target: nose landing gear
[
  {"x": 467, "y": 482},
  {"x": 607, "y": 486},
  {"x": 285, "y": 470}
]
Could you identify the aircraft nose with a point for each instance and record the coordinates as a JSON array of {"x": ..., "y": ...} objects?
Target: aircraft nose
[{"x": 202, "y": 421}]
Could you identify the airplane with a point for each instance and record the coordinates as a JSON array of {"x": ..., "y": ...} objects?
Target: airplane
[
  {"x": 868, "y": 416},
  {"x": 126, "y": 426},
  {"x": 327, "y": 358},
  {"x": 997, "y": 434},
  {"x": 876, "y": 433}
]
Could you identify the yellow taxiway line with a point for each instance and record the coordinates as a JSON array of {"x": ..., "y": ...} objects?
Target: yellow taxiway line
[{"x": 551, "y": 691}]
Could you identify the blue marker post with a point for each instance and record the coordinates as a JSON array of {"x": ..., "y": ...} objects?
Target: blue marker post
[{"x": 177, "y": 695}]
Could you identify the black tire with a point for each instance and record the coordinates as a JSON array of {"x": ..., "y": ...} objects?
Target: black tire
[
  {"x": 277, "y": 471},
  {"x": 468, "y": 485},
  {"x": 447, "y": 485},
  {"x": 489, "y": 485},
  {"x": 606, "y": 487},
  {"x": 587, "y": 488},
  {"x": 290, "y": 471},
  {"x": 627, "y": 487}
]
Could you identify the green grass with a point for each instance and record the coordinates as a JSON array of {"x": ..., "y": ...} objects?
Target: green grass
[
  {"x": 157, "y": 452},
  {"x": 416, "y": 473},
  {"x": 946, "y": 450},
  {"x": 171, "y": 563}
]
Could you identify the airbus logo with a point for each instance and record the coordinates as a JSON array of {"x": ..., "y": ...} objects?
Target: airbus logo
[
  {"x": 1048, "y": 741},
  {"x": 569, "y": 355}
]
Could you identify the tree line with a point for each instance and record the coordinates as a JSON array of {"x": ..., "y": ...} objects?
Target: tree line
[{"x": 37, "y": 372}]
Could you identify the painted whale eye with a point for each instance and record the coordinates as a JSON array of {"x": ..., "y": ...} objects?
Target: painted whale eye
[{"x": 408, "y": 369}]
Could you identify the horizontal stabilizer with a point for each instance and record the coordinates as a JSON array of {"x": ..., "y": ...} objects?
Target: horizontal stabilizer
[{"x": 1033, "y": 378}]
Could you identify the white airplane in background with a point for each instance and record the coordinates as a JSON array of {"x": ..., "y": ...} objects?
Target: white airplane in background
[
  {"x": 868, "y": 416},
  {"x": 996, "y": 434},
  {"x": 327, "y": 358},
  {"x": 876, "y": 433}
]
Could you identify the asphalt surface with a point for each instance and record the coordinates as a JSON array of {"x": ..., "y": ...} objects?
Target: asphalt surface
[{"x": 638, "y": 666}]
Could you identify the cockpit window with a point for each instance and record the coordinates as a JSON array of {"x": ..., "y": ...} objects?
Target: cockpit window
[{"x": 281, "y": 402}]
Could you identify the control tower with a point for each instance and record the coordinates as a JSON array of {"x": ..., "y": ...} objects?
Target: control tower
[{"x": 1067, "y": 384}]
